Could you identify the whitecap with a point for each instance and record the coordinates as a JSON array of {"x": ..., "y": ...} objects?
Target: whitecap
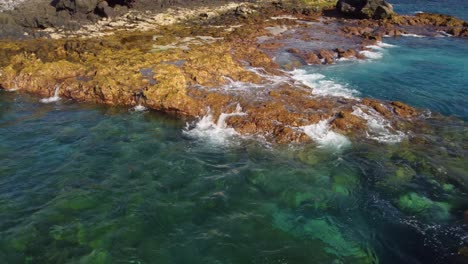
[
  {"x": 371, "y": 54},
  {"x": 207, "y": 130},
  {"x": 412, "y": 35},
  {"x": 325, "y": 137},
  {"x": 321, "y": 86},
  {"x": 54, "y": 98},
  {"x": 376, "y": 51},
  {"x": 379, "y": 128},
  {"x": 139, "y": 108},
  {"x": 385, "y": 45}
]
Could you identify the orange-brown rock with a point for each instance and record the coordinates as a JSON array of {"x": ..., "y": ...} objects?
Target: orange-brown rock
[
  {"x": 326, "y": 55},
  {"x": 377, "y": 106},
  {"x": 311, "y": 58},
  {"x": 404, "y": 110},
  {"x": 346, "y": 53},
  {"x": 188, "y": 69},
  {"x": 347, "y": 122}
]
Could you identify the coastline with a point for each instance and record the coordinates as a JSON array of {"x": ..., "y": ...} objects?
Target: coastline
[{"x": 187, "y": 62}]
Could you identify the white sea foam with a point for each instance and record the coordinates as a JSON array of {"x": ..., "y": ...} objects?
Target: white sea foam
[
  {"x": 376, "y": 51},
  {"x": 371, "y": 54},
  {"x": 239, "y": 86},
  {"x": 443, "y": 34},
  {"x": 15, "y": 88},
  {"x": 385, "y": 45},
  {"x": 321, "y": 86},
  {"x": 139, "y": 108},
  {"x": 379, "y": 128},
  {"x": 206, "y": 129},
  {"x": 270, "y": 81},
  {"x": 325, "y": 137},
  {"x": 54, "y": 98},
  {"x": 412, "y": 35},
  {"x": 274, "y": 79}
]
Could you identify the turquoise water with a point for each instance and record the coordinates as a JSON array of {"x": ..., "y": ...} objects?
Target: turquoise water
[{"x": 430, "y": 73}]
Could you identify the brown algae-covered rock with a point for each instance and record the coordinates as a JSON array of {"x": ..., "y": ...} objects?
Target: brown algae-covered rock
[{"x": 192, "y": 70}]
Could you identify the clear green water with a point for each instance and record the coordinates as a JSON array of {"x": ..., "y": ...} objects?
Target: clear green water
[{"x": 89, "y": 184}]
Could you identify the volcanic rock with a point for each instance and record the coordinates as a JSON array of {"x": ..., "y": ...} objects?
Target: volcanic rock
[{"x": 376, "y": 9}]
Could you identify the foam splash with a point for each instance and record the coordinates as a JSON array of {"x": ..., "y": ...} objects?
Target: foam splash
[
  {"x": 443, "y": 34},
  {"x": 373, "y": 55},
  {"x": 274, "y": 79},
  {"x": 269, "y": 81},
  {"x": 321, "y": 86},
  {"x": 379, "y": 128},
  {"x": 385, "y": 45},
  {"x": 54, "y": 98},
  {"x": 238, "y": 85},
  {"x": 325, "y": 137},
  {"x": 139, "y": 108},
  {"x": 206, "y": 129},
  {"x": 376, "y": 51},
  {"x": 412, "y": 35}
]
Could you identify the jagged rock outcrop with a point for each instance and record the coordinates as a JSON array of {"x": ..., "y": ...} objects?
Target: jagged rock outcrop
[{"x": 376, "y": 9}]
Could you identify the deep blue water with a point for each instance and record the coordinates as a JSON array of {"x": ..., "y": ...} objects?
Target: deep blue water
[{"x": 458, "y": 8}]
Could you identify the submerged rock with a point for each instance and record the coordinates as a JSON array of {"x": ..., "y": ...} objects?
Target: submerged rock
[{"x": 424, "y": 207}]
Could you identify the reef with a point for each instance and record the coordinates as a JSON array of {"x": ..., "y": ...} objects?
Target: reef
[{"x": 231, "y": 62}]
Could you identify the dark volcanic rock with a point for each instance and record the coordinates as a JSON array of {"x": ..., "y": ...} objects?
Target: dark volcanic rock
[
  {"x": 9, "y": 28},
  {"x": 77, "y": 6},
  {"x": 105, "y": 10},
  {"x": 376, "y": 9}
]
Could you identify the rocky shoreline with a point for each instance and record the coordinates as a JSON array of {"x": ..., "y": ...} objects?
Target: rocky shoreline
[{"x": 231, "y": 59}]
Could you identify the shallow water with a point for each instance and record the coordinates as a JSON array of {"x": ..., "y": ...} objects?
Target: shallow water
[
  {"x": 83, "y": 183},
  {"x": 89, "y": 184},
  {"x": 430, "y": 73}
]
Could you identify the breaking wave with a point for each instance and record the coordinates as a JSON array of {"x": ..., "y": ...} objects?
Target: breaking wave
[
  {"x": 376, "y": 51},
  {"x": 379, "y": 128},
  {"x": 206, "y": 129},
  {"x": 325, "y": 137},
  {"x": 321, "y": 86}
]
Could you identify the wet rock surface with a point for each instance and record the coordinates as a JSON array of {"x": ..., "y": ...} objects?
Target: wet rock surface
[{"x": 217, "y": 64}]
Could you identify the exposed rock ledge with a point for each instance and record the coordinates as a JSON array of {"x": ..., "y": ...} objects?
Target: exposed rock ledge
[{"x": 214, "y": 63}]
